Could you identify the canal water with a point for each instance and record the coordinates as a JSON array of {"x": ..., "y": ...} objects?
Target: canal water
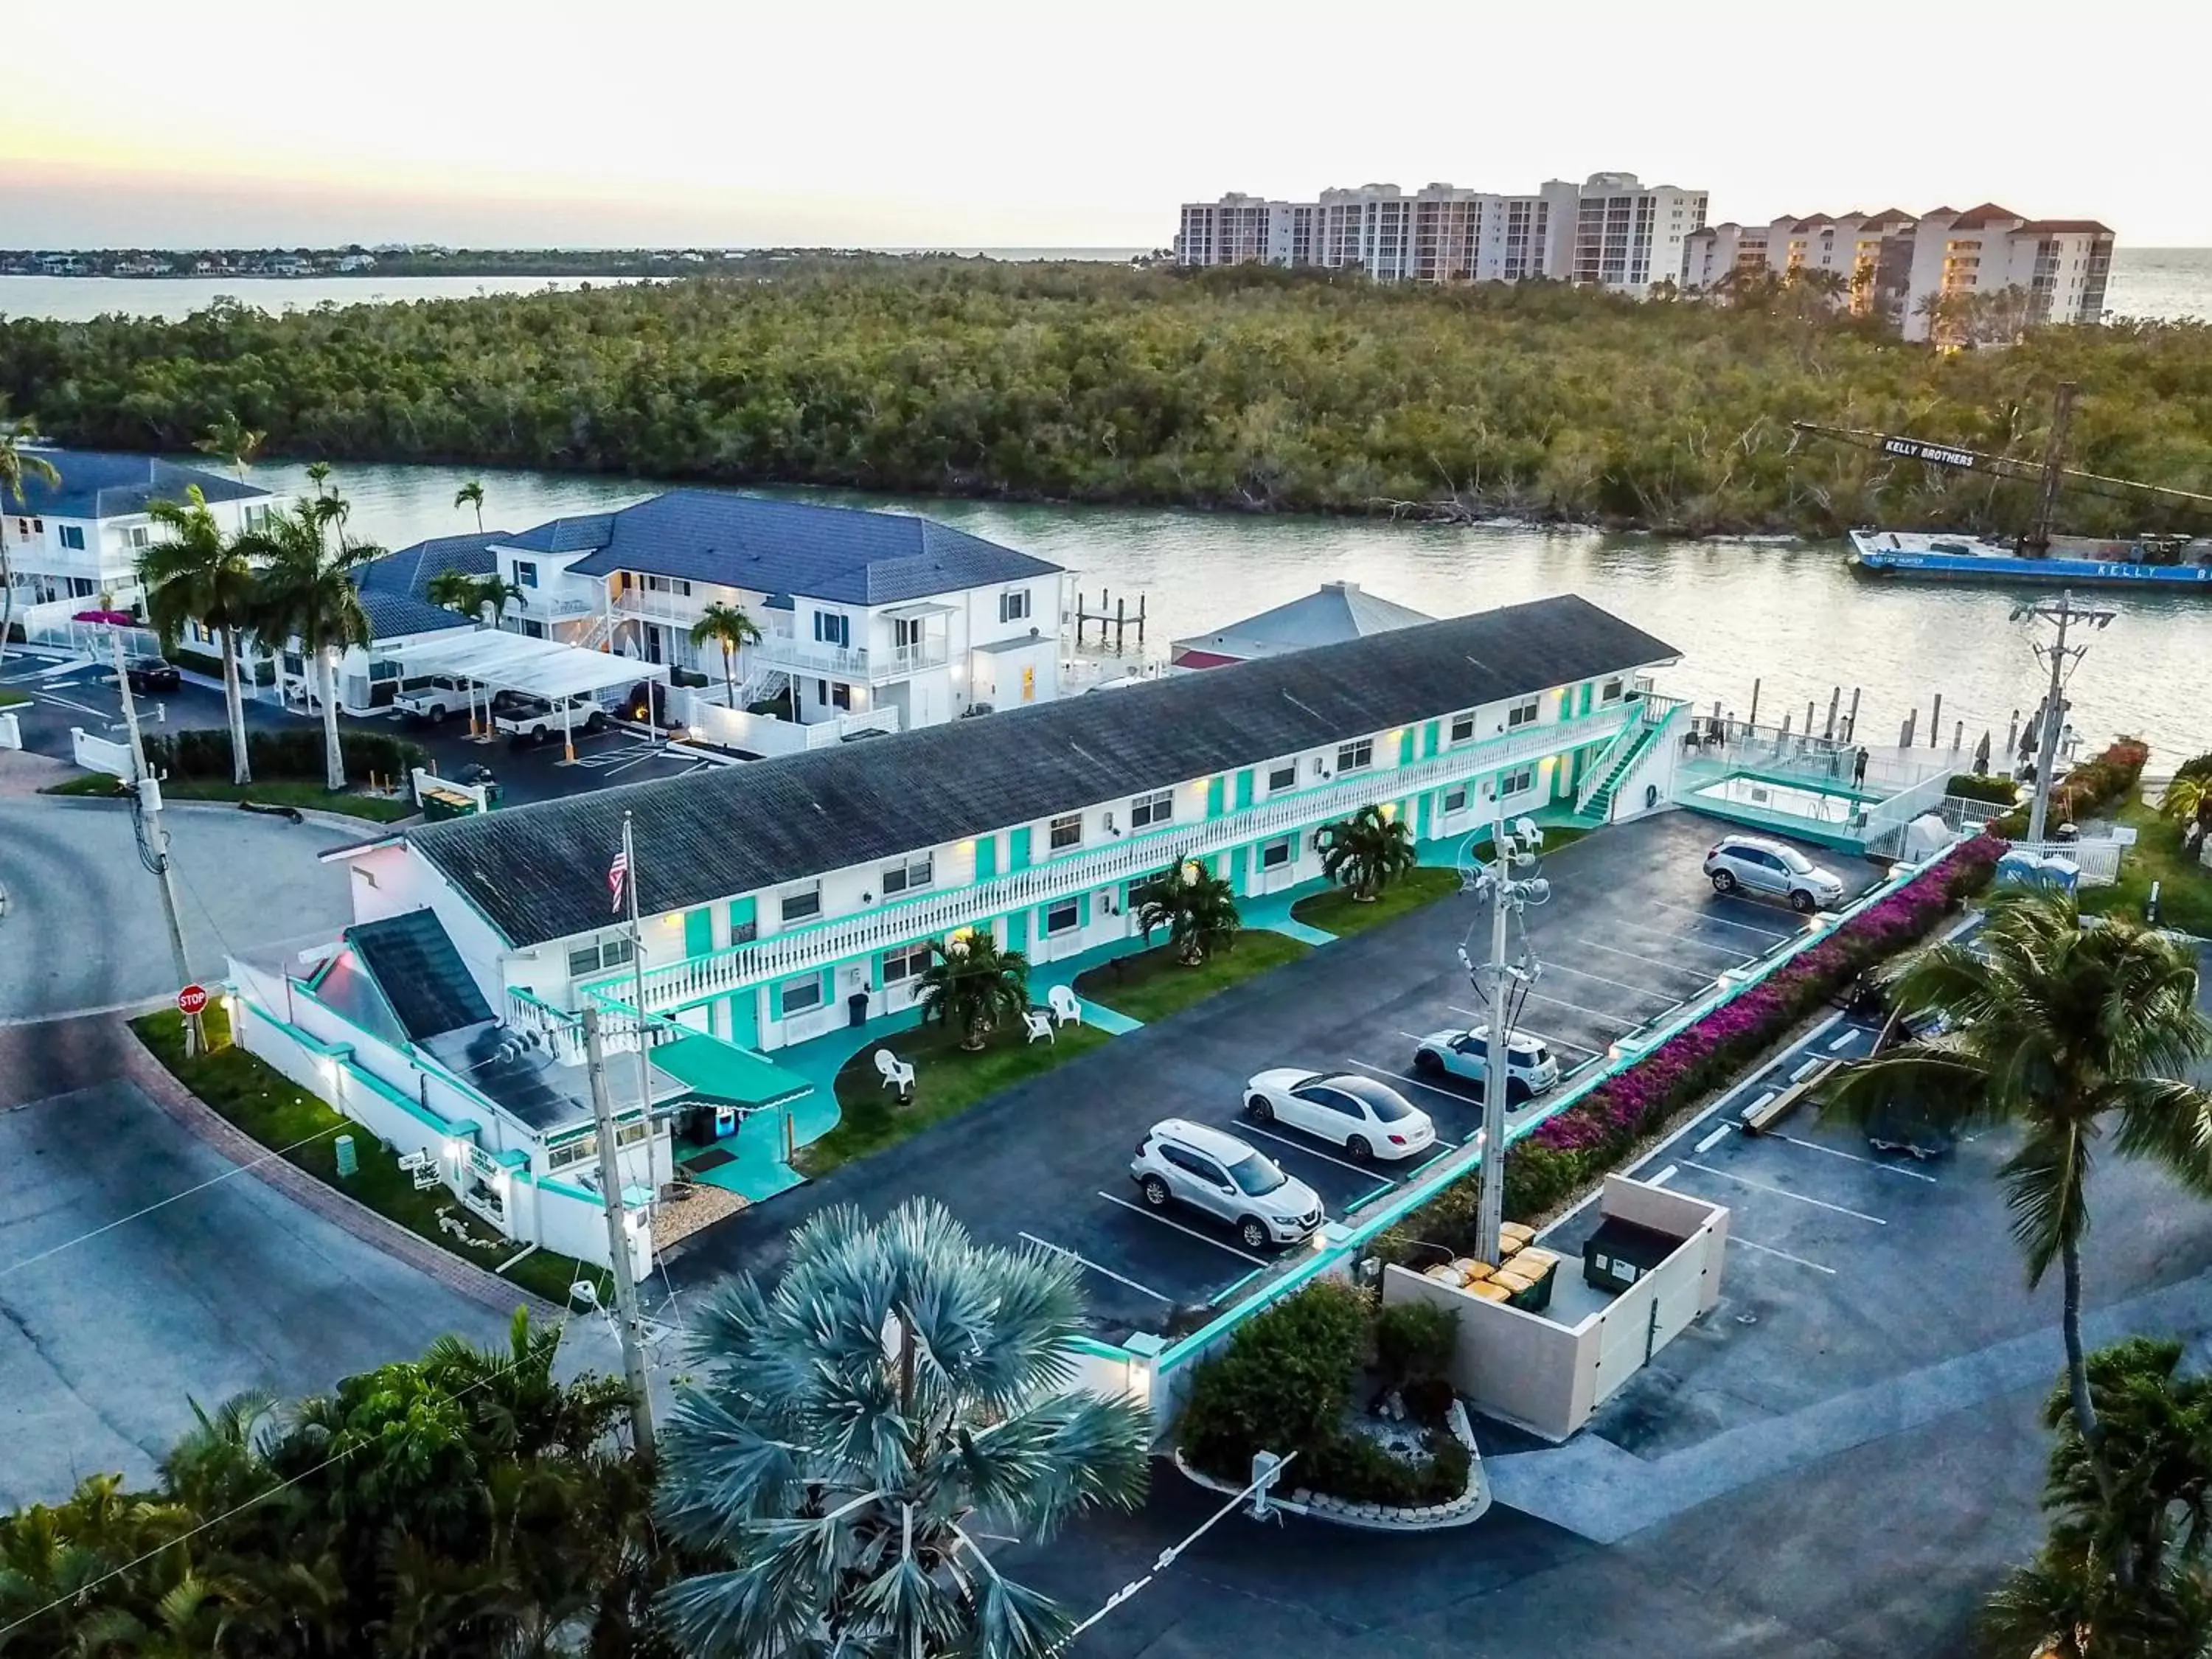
[{"x": 1791, "y": 615}]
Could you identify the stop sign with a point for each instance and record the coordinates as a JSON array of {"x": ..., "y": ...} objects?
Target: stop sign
[{"x": 192, "y": 999}]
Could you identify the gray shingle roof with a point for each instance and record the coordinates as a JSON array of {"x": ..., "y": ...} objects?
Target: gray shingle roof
[
  {"x": 539, "y": 872},
  {"x": 99, "y": 485},
  {"x": 1339, "y": 610},
  {"x": 842, "y": 553}
]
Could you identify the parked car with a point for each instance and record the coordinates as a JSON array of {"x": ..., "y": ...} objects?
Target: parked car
[
  {"x": 432, "y": 697},
  {"x": 1531, "y": 1069},
  {"x": 1184, "y": 1163},
  {"x": 148, "y": 675},
  {"x": 1771, "y": 869},
  {"x": 529, "y": 718},
  {"x": 1366, "y": 1118}
]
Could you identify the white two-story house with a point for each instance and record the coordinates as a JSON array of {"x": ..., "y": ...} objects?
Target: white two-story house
[
  {"x": 83, "y": 537},
  {"x": 862, "y": 613}
]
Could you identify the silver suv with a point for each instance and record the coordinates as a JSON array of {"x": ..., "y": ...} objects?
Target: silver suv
[
  {"x": 1774, "y": 869},
  {"x": 1180, "y": 1162}
]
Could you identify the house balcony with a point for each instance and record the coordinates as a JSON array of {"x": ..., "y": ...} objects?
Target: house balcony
[
  {"x": 852, "y": 663},
  {"x": 779, "y": 956}
]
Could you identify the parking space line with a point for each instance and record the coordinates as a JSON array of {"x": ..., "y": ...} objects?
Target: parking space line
[
  {"x": 1561, "y": 1042},
  {"x": 1188, "y": 1232},
  {"x": 1061, "y": 1249},
  {"x": 1806, "y": 1070},
  {"x": 1708, "y": 915},
  {"x": 1871, "y": 1162},
  {"x": 1310, "y": 1151},
  {"x": 82, "y": 708},
  {"x": 1685, "y": 939},
  {"x": 1666, "y": 997},
  {"x": 1663, "y": 1176},
  {"x": 1457, "y": 1098},
  {"x": 1561, "y": 1002},
  {"x": 1712, "y": 1139},
  {"x": 1842, "y": 1041},
  {"x": 1783, "y": 1192},
  {"x": 1699, "y": 975},
  {"x": 1768, "y": 1249}
]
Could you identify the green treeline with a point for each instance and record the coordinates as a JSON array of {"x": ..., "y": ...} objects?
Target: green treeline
[{"x": 1250, "y": 390}]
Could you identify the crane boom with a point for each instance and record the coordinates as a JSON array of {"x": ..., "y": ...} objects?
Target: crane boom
[{"x": 2002, "y": 466}]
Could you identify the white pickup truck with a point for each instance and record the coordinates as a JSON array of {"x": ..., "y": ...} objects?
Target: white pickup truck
[
  {"x": 528, "y": 719},
  {"x": 432, "y": 697}
]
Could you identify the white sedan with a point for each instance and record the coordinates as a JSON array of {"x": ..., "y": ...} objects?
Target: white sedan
[{"x": 1365, "y": 1117}]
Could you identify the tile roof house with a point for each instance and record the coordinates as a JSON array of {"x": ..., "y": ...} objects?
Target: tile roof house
[{"x": 1340, "y": 610}]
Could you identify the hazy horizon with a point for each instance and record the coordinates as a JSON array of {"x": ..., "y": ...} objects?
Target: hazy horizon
[{"x": 983, "y": 124}]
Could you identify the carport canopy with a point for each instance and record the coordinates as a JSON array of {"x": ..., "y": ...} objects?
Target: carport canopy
[{"x": 515, "y": 662}]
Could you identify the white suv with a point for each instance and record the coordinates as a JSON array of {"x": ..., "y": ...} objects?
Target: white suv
[
  {"x": 1752, "y": 864},
  {"x": 1182, "y": 1162},
  {"x": 1530, "y": 1067}
]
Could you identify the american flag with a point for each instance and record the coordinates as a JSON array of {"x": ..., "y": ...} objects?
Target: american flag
[{"x": 617, "y": 873}]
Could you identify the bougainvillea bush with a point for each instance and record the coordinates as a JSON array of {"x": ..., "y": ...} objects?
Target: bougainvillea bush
[{"x": 1568, "y": 1152}]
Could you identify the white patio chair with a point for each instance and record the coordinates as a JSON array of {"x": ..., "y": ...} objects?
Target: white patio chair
[
  {"x": 1038, "y": 1022},
  {"x": 1064, "y": 1007},
  {"x": 895, "y": 1072}
]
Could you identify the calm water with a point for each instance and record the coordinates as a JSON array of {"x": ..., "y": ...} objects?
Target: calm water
[
  {"x": 1792, "y": 616},
  {"x": 2152, "y": 282}
]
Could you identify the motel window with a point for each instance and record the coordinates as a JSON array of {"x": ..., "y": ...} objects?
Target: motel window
[
  {"x": 1067, "y": 832},
  {"x": 525, "y": 573},
  {"x": 590, "y": 958},
  {"x": 1275, "y": 855},
  {"x": 675, "y": 585},
  {"x": 799, "y": 902},
  {"x": 831, "y": 628},
  {"x": 1014, "y": 604},
  {"x": 581, "y": 1150},
  {"x": 1462, "y": 727},
  {"x": 840, "y": 694},
  {"x": 72, "y": 537},
  {"x": 586, "y": 961},
  {"x": 384, "y": 670},
  {"x": 137, "y": 536},
  {"x": 1610, "y": 692},
  {"x": 1518, "y": 781},
  {"x": 905, "y": 877},
  {"x": 1456, "y": 800},
  {"x": 796, "y": 996},
  {"x": 1522, "y": 714},
  {"x": 1148, "y": 810},
  {"x": 535, "y": 630},
  {"x": 1355, "y": 756},
  {"x": 1283, "y": 777},
  {"x": 1062, "y": 917},
  {"x": 900, "y": 966}
]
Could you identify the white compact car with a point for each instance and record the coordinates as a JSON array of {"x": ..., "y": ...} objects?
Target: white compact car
[
  {"x": 1366, "y": 1118},
  {"x": 1531, "y": 1069},
  {"x": 1771, "y": 869},
  {"x": 1184, "y": 1163}
]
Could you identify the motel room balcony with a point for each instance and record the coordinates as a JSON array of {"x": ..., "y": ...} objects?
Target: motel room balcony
[{"x": 788, "y": 652}]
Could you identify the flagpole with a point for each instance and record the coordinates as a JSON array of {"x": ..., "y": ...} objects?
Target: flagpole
[{"x": 637, "y": 993}]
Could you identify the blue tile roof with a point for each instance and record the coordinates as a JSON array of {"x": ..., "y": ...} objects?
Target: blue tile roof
[
  {"x": 98, "y": 485},
  {"x": 843, "y": 554},
  {"x": 580, "y": 534},
  {"x": 410, "y": 570},
  {"x": 390, "y": 615}
]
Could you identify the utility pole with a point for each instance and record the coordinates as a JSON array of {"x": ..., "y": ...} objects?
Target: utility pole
[
  {"x": 627, "y": 1318},
  {"x": 2065, "y": 613},
  {"x": 146, "y": 807},
  {"x": 1505, "y": 894},
  {"x": 2038, "y": 540}
]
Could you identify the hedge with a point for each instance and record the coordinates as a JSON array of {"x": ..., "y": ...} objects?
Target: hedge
[
  {"x": 1284, "y": 1385},
  {"x": 289, "y": 754},
  {"x": 2091, "y": 786},
  {"x": 1568, "y": 1152},
  {"x": 1977, "y": 785}
]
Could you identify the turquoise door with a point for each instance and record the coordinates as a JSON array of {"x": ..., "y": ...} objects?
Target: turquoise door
[
  {"x": 698, "y": 934},
  {"x": 740, "y": 1023},
  {"x": 987, "y": 859},
  {"x": 1240, "y": 862},
  {"x": 1018, "y": 931},
  {"x": 741, "y": 917},
  {"x": 1215, "y": 794},
  {"x": 1243, "y": 789},
  {"x": 1407, "y": 739},
  {"x": 1018, "y": 848},
  {"x": 1421, "y": 819}
]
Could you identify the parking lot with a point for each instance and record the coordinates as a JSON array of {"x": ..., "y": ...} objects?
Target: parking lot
[
  {"x": 1631, "y": 931},
  {"x": 87, "y": 697}
]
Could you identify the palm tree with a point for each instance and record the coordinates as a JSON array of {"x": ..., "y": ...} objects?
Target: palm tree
[
  {"x": 1197, "y": 908},
  {"x": 2068, "y": 1033},
  {"x": 497, "y": 593},
  {"x": 319, "y": 474},
  {"x": 970, "y": 984},
  {"x": 850, "y": 1426},
  {"x": 1367, "y": 852},
  {"x": 2188, "y": 800},
  {"x": 197, "y": 573},
  {"x": 230, "y": 439},
  {"x": 454, "y": 590},
  {"x": 14, "y": 462},
  {"x": 471, "y": 495},
  {"x": 307, "y": 593},
  {"x": 727, "y": 626}
]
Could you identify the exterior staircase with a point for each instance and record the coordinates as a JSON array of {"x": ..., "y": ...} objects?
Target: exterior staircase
[{"x": 1594, "y": 805}]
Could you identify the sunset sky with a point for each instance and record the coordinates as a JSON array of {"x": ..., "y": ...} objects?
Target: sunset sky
[{"x": 969, "y": 123}]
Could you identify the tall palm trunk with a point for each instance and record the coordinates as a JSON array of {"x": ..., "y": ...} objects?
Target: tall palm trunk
[
  {"x": 333, "y": 756},
  {"x": 7, "y": 591},
  {"x": 2077, "y": 1361},
  {"x": 234, "y": 702},
  {"x": 729, "y": 675}
]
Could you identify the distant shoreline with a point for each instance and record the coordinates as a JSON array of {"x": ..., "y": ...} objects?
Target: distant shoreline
[{"x": 129, "y": 264}]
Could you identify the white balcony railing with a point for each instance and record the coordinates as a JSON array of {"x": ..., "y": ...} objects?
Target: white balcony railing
[
  {"x": 779, "y": 955},
  {"x": 787, "y": 651}
]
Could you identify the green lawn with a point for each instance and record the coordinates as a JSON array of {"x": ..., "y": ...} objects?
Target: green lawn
[
  {"x": 8, "y": 698},
  {"x": 1151, "y": 985},
  {"x": 284, "y": 1117},
  {"x": 2185, "y": 894},
  {"x": 947, "y": 1082},
  {"x": 308, "y": 796}
]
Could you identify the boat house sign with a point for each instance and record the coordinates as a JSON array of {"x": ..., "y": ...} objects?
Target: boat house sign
[{"x": 1912, "y": 449}]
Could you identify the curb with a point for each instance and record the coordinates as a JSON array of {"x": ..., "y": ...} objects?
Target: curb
[
  {"x": 142, "y": 1067},
  {"x": 1469, "y": 1507},
  {"x": 345, "y": 821}
]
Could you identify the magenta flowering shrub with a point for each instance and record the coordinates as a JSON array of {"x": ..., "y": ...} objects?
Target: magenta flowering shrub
[{"x": 1567, "y": 1152}]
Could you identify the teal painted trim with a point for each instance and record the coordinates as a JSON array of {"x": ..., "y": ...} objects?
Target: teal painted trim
[
  {"x": 1018, "y": 849},
  {"x": 1217, "y": 798},
  {"x": 987, "y": 858},
  {"x": 1448, "y": 1171},
  {"x": 1408, "y": 747},
  {"x": 1083, "y": 917},
  {"x": 414, "y": 1054},
  {"x": 343, "y": 1053},
  {"x": 563, "y": 1189},
  {"x": 743, "y": 912},
  {"x": 1244, "y": 790},
  {"x": 1099, "y": 1350},
  {"x": 1017, "y": 930},
  {"x": 699, "y": 931},
  {"x": 1432, "y": 736}
]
